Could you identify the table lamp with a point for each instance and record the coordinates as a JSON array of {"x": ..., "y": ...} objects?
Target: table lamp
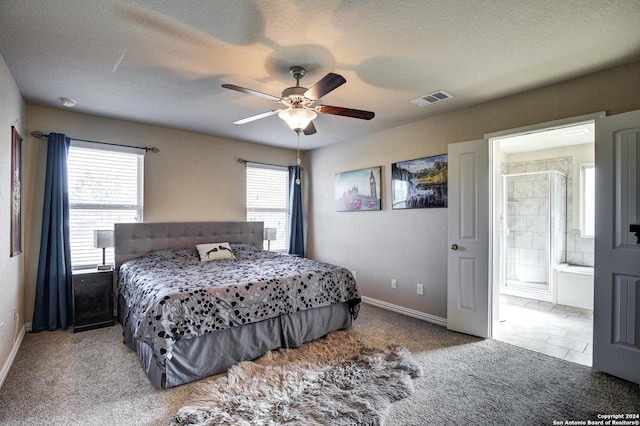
[
  {"x": 269, "y": 235},
  {"x": 103, "y": 239}
]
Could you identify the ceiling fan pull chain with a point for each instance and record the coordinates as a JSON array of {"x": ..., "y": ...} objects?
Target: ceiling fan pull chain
[{"x": 298, "y": 158}]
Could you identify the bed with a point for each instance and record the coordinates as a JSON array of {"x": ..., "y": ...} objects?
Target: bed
[{"x": 187, "y": 318}]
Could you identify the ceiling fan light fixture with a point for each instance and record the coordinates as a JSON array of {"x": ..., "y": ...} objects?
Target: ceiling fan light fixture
[{"x": 297, "y": 118}]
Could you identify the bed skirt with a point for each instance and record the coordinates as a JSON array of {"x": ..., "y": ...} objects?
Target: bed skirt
[{"x": 213, "y": 353}]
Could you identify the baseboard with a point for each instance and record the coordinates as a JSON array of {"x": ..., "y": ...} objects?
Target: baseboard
[
  {"x": 12, "y": 356},
  {"x": 405, "y": 311}
]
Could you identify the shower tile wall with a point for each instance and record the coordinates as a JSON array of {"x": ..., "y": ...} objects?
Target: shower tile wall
[
  {"x": 527, "y": 246},
  {"x": 579, "y": 251}
]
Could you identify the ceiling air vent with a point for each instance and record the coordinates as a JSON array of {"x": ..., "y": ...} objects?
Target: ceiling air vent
[{"x": 431, "y": 98}]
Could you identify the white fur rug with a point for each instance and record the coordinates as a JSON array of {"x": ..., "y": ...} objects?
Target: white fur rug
[{"x": 336, "y": 380}]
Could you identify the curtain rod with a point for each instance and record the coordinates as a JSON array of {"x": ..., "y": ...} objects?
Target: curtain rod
[
  {"x": 38, "y": 134},
  {"x": 243, "y": 161}
]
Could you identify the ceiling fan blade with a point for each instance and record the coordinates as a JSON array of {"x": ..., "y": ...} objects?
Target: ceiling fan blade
[
  {"x": 251, "y": 92},
  {"x": 310, "y": 129},
  {"x": 328, "y": 83},
  {"x": 347, "y": 112},
  {"x": 257, "y": 117}
]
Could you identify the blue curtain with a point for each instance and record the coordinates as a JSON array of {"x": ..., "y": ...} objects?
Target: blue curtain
[
  {"x": 296, "y": 237},
  {"x": 54, "y": 296}
]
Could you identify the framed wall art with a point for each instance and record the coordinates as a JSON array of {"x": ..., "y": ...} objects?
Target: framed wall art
[
  {"x": 16, "y": 193},
  {"x": 420, "y": 183},
  {"x": 358, "y": 190}
]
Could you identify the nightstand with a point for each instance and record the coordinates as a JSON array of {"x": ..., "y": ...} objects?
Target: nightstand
[{"x": 92, "y": 299}]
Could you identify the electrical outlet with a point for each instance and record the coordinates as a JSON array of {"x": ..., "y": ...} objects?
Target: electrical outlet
[
  {"x": 394, "y": 283},
  {"x": 15, "y": 315},
  {"x": 355, "y": 274},
  {"x": 420, "y": 289}
]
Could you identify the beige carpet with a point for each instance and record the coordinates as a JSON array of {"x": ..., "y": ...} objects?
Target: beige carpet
[{"x": 91, "y": 378}]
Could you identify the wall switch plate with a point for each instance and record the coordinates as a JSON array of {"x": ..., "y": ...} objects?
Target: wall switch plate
[
  {"x": 394, "y": 283},
  {"x": 420, "y": 289}
]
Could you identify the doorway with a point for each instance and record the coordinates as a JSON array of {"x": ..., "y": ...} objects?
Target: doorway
[{"x": 543, "y": 251}]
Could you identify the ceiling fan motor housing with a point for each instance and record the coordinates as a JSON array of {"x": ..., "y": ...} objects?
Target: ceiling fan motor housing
[{"x": 294, "y": 97}]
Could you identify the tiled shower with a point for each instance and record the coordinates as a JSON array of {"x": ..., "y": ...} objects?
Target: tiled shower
[{"x": 534, "y": 226}]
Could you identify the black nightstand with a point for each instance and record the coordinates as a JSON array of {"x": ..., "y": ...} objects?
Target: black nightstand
[{"x": 92, "y": 299}]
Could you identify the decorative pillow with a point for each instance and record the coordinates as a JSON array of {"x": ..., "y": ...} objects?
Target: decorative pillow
[{"x": 214, "y": 251}]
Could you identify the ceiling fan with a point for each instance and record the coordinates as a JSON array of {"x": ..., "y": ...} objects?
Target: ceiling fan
[{"x": 299, "y": 100}]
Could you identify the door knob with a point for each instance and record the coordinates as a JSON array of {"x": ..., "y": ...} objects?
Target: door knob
[{"x": 454, "y": 247}]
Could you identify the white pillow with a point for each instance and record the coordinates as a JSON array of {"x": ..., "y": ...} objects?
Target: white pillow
[{"x": 214, "y": 251}]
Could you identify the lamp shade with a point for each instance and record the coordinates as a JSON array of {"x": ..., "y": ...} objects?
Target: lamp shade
[
  {"x": 269, "y": 234},
  {"x": 103, "y": 238},
  {"x": 297, "y": 118}
]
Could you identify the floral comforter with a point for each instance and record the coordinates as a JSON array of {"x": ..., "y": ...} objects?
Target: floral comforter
[{"x": 171, "y": 295}]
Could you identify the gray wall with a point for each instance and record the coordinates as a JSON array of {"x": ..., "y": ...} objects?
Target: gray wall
[
  {"x": 411, "y": 245},
  {"x": 12, "y": 113}
]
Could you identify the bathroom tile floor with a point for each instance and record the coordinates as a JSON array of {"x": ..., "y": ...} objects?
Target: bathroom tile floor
[{"x": 560, "y": 331}]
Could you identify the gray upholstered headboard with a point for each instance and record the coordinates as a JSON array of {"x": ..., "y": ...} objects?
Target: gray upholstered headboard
[{"x": 134, "y": 240}]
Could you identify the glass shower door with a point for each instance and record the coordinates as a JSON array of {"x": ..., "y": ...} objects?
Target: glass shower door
[{"x": 534, "y": 229}]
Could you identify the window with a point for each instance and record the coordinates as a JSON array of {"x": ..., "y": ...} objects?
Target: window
[
  {"x": 268, "y": 201},
  {"x": 105, "y": 187},
  {"x": 587, "y": 200}
]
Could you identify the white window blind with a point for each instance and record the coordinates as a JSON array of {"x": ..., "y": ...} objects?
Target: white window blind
[
  {"x": 105, "y": 187},
  {"x": 268, "y": 201}
]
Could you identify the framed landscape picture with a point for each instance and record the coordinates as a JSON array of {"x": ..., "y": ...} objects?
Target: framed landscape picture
[
  {"x": 358, "y": 190},
  {"x": 16, "y": 193},
  {"x": 420, "y": 183}
]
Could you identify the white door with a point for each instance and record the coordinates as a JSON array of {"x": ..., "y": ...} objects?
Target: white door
[
  {"x": 616, "y": 316},
  {"x": 468, "y": 238}
]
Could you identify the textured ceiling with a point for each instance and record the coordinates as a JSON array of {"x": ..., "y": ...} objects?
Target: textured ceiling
[{"x": 162, "y": 62}]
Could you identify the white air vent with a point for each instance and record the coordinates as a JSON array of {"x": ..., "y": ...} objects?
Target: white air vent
[{"x": 431, "y": 98}]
